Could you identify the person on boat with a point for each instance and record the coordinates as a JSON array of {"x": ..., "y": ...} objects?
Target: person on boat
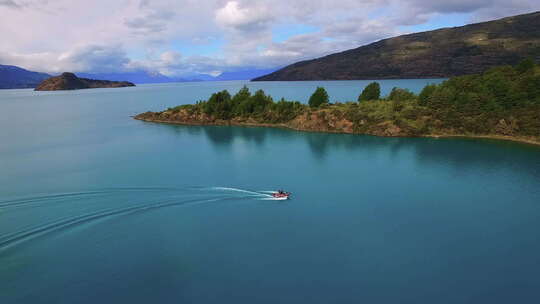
[{"x": 281, "y": 194}]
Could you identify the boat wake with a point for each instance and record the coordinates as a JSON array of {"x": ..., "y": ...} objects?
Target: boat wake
[
  {"x": 263, "y": 195},
  {"x": 39, "y": 199},
  {"x": 68, "y": 210}
]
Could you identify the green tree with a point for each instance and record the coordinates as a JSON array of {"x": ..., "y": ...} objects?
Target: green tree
[
  {"x": 261, "y": 101},
  {"x": 426, "y": 93},
  {"x": 371, "y": 92},
  {"x": 319, "y": 97},
  {"x": 399, "y": 94},
  {"x": 525, "y": 65},
  {"x": 245, "y": 108},
  {"x": 242, "y": 95},
  {"x": 219, "y": 105}
]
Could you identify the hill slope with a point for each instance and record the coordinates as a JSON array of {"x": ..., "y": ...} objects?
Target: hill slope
[
  {"x": 244, "y": 74},
  {"x": 12, "y": 77},
  {"x": 440, "y": 53},
  {"x": 68, "y": 81}
]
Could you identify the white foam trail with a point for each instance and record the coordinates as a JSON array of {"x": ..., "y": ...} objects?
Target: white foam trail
[
  {"x": 271, "y": 199},
  {"x": 271, "y": 192},
  {"x": 13, "y": 239},
  {"x": 254, "y": 193}
]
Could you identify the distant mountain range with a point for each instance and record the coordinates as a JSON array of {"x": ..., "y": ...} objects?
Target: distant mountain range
[
  {"x": 440, "y": 53},
  {"x": 12, "y": 77},
  {"x": 148, "y": 77},
  {"x": 135, "y": 77}
]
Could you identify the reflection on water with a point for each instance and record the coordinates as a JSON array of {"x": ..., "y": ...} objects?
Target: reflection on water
[
  {"x": 223, "y": 136},
  {"x": 459, "y": 153}
]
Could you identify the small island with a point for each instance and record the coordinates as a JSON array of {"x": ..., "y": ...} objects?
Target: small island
[
  {"x": 69, "y": 81},
  {"x": 501, "y": 103}
]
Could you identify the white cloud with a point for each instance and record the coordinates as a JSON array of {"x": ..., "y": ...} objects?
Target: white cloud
[
  {"x": 244, "y": 18},
  {"x": 91, "y": 58},
  {"x": 104, "y": 35}
]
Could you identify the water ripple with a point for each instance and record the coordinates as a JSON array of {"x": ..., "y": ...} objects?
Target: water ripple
[{"x": 12, "y": 239}]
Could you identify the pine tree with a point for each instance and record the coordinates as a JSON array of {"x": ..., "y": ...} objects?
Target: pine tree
[
  {"x": 371, "y": 92},
  {"x": 319, "y": 97}
]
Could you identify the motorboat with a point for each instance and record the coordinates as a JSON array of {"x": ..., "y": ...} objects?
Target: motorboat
[{"x": 281, "y": 195}]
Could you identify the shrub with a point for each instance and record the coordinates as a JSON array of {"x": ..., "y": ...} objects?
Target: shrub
[{"x": 398, "y": 94}]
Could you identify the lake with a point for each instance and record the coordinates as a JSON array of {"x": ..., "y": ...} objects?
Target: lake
[{"x": 96, "y": 207}]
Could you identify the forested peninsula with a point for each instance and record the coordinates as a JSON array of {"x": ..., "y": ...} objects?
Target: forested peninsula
[{"x": 501, "y": 103}]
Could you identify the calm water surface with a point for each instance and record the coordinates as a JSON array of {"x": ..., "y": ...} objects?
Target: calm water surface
[{"x": 96, "y": 207}]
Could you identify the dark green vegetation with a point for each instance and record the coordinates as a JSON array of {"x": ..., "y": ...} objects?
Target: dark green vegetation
[
  {"x": 441, "y": 53},
  {"x": 319, "y": 97},
  {"x": 502, "y": 102},
  {"x": 258, "y": 106},
  {"x": 371, "y": 92}
]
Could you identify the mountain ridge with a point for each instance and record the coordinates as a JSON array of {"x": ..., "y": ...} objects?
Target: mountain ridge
[
  {"x": 13, "y": 77},
  {"x": 444, "y": 52}
]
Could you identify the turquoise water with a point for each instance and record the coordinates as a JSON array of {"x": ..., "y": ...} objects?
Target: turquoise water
[{"x": 96, "y": 207}]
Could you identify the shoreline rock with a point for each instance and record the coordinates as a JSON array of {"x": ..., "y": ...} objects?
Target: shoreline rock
[{"x": 314, "y": 123}]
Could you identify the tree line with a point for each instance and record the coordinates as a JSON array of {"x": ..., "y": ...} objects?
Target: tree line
[{"x": 472, "y": 103}]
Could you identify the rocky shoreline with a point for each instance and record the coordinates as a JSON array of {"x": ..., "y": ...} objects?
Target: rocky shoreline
[{"x": 313, "y": 122}]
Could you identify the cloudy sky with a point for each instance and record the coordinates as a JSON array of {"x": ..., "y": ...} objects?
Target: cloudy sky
[{"x": 184, "y": 37}]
